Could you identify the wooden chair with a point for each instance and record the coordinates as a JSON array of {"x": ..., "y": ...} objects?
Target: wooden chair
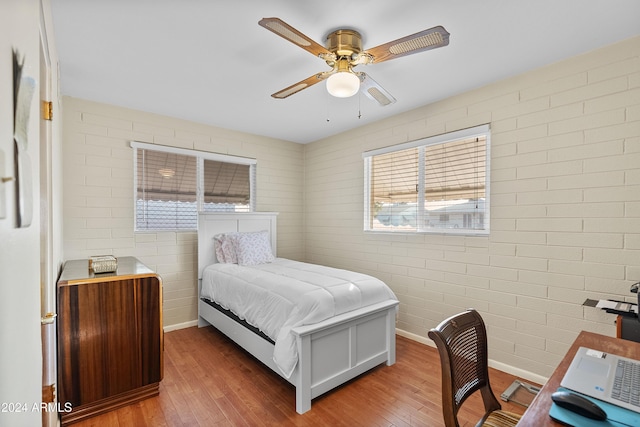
[{"x": 462, "y": 344}]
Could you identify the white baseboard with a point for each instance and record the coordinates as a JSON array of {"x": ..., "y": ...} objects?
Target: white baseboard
[
  {"x": 520, "y": 373},
  {"x": 177, "y": 326},
  {"x": 512, "y": 370},
  {"x": 415, "y": 337}
]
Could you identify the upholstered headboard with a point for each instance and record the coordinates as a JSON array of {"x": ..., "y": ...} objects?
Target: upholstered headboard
[{"x": 212, "y": 223}]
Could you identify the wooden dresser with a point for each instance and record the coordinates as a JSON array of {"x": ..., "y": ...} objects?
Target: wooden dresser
[{"x": 110, "y": 338}]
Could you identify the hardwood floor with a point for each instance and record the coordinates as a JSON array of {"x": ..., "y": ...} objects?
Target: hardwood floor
[{"x": 210, "y": 381}]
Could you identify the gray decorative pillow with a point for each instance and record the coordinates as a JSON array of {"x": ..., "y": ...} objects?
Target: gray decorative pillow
[{"x": 253, "y": 248}]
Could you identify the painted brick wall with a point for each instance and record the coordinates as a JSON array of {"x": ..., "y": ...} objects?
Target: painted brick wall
[
  {"x": 98, "y": 192},
  {"x": 565, "y": 208}
]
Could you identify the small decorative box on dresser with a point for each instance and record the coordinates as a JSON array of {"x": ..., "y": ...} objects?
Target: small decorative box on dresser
[{"x": 110, "y": 338}]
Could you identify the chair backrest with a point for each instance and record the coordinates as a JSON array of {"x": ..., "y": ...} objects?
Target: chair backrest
[{"x": 462, "y": 344}]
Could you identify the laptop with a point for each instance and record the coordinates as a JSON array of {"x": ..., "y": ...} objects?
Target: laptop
[{"x": 606, "y": 377}]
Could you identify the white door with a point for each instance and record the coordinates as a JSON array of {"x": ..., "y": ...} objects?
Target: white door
[{"x": 20, "y": 337}]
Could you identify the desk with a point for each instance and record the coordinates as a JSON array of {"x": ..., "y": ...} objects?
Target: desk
[{"x": 537, "y": 415}]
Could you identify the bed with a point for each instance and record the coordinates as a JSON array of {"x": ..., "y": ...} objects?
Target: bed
[{"x": 327, "y": 353}]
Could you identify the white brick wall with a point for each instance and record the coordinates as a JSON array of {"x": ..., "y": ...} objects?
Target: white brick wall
[
  {"x": 565, "y": 196},
  {"x": 98, "y": 192}
]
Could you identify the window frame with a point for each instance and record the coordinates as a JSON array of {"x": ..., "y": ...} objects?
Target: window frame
[
  {"x": 477, "y": 131},
  {"x": 200, "y": 156}
]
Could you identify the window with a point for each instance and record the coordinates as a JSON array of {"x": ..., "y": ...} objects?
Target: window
[
  {"x": 438, "y": 184},
  {"x": 173, "y": 184}
]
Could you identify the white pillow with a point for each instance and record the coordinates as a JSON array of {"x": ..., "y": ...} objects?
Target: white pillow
[
  {"x": 225, "y": 248},
  {"x": 217, "y": 245},
  {"x": 253, "y": 248}
]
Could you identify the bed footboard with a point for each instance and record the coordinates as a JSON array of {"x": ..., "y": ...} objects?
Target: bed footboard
[
  {"x": 330, "y": 353},
  {"x": 337, "y": 350}
]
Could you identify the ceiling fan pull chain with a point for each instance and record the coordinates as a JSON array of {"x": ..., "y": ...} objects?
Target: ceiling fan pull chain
[
  {"x": 359, "y": 105},
  {"x": 327, "y": 104}
]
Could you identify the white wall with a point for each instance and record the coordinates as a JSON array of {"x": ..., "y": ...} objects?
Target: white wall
[
  {"x": 565, "y": 214},
  {"x": 98, "y": 192}
]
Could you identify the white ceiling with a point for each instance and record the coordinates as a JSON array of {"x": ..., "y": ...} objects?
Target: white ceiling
[{"x": 208, "y": 61}]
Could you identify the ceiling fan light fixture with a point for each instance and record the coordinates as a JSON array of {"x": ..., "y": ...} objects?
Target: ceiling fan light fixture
[{"x": 343, "y": 84}]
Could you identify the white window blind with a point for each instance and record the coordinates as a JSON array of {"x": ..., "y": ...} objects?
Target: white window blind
[
  {"x": 172, "y": 185},
  {"x": 438, "y": 184}
]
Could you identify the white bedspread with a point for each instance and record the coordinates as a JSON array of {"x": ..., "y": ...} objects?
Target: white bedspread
[{"x": 283, "y": 294}]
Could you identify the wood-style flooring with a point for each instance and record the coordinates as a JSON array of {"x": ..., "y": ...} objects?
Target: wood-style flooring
[{"x": 210, "y": 381}]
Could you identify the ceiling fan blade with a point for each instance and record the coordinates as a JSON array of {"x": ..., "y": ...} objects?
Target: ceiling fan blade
[
  {"x": 303, "y": 84},
  {"x": 373, "y": 90},
  {"x": 286, "y": 31},
  {"x": 424, "y": 40}
]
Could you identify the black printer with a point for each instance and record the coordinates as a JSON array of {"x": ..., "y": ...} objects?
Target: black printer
[{"x": 629, "y": 325}]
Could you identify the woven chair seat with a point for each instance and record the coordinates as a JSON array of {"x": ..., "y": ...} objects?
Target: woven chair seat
[{"x": 501, "y": 419}]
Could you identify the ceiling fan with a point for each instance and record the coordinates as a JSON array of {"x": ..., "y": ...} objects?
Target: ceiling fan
[{"x": 343, "y": 52}]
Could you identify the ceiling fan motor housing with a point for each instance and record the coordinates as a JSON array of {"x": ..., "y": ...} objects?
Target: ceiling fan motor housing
[{"x": 344, "y": 43}]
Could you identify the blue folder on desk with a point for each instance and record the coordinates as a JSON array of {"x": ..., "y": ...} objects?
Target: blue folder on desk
[{"x": 616, "y": 416}]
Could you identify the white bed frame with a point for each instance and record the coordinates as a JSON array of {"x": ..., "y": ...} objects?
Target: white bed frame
[{"x": 330, "y": 352}]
